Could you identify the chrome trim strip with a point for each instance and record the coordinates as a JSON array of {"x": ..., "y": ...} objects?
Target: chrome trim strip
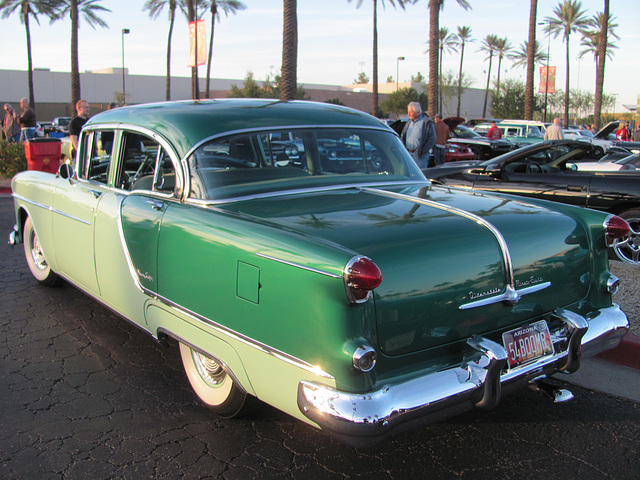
[
  {"x": 506, "y": 296},
  {"x": 303, "y": 191},
  {"x": 49, "y": 208},
  {"x": 510, "y": 294},
  {"x": 297, "y": 265},
  {"x": 366, "y": 418}
]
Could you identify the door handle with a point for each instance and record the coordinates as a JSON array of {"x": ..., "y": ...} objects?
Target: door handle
[
  {"x": 579, "y": 188},
  {"x": 95, "y": 193},
  {"x": 155, "y": 204}
]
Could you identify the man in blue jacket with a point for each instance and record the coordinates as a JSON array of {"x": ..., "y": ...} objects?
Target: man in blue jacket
[{"x": 419, "y": 135}]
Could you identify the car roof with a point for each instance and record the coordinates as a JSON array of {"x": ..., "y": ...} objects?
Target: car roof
[{"x": 186, "y": 123}]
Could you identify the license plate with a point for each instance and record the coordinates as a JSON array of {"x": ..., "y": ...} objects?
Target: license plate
[{"x": 527, "y": 343}]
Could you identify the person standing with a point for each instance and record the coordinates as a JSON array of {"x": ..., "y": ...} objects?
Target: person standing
[
  {"x": 442, "y": 135},
  {"x": 622, "y": 134},
  {"x": 27, "y": 121},
  {"x": 10, "y": 124},
  {"x": 77, "y": 122},
  {"x": 418, "y": 135},
  {"x": 636, "y": 133},
  {"x": 554, "y": 131},
  {"x": 494, "y": 132}
]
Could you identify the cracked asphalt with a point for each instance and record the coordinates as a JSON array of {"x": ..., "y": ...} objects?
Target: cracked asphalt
[{"x": 86, "y": 395}]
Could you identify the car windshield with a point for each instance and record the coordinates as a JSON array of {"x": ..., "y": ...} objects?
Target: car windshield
[
  {"x": 279, "y": 160},
  {"x": 464, "y": 132}
]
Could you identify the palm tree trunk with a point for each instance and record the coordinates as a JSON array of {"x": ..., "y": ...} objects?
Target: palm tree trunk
[
  {"x": 460, "y": 79},
  {"x": 289, "y": 50},
  {"x": 434, "y": 18},
  {"x": 168, "y": 80},
  {"x": 75, "y": 68},
  {"x": 566, "y": 90},
  {"x": 602, "y": 55},
  {"x": 531, "y": 49},
  {"x": 374, "y": 107},
  {"x": 214, "y": 12},
  {"x": 486, "y": 91},
  {"x": 440, "y": 78},
  {"x": 498, "y": 80},
  {"x": 32, "y": 100}
]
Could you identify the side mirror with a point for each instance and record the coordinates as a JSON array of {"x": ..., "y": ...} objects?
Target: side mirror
[
  {"x": 66, "y": 171},
  {"x": 572, "y": 167}
]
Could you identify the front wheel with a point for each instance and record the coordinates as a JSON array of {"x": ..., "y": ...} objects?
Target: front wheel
[
  {"x": 214, "y": 386},
  {"x": 629, "y": 250},
  {"x": 39, "y": 267}
]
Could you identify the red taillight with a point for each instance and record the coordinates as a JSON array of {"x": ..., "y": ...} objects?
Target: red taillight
[
  {"x": 615, "y": 228},
  {"x": 361, "y": 276}
]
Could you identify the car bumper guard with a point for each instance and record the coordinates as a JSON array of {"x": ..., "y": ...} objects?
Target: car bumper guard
[{"x": 367, "y": 418}]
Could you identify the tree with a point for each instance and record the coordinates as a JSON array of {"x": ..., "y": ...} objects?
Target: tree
[
  {"x": 450, "y": 87},
  {"x": 489, "y": 47},
  {"x": 463, "y": 36},
  {"x": 503, "y": 47},
  {"x": 602, "y": 56},
  {"x": 446, "y": 42},
  {"x": 434, "y": 28},
  {"x": 289, "y": 50},
  {"x": 26, "y": 9},
  {"x": 569, "y": 18},
  {"x": 401, "y": 3},
  {"x": 89, "y": 9},
  {"x": 398, "y": 101},
  {"x": 155, "y": 8},
  {"x": 520, "y": 57},
  {"x": 227, "y": 6},
  {"x": 531, "y": 49},
  {"x": 509, "y": 101},
  {"x": 361, "y": 79},
  {"x": 270, "y": 88}
]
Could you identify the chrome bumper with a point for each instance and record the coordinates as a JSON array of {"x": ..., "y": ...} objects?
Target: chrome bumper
[
  {"x": 367, "y": 418},
  {"x": 14, "y": 237}
]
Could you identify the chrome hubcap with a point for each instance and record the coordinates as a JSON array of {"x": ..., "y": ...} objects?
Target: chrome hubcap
[
  {"x": 36, "y": 253},
  {"x": 628, "y": 250},
  {"x": 211, "y": 371}
]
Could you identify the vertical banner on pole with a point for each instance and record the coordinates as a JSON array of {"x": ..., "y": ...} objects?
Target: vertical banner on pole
[
  {"x": 197, "y": 37},
  {"x": 549, "y": 80}
]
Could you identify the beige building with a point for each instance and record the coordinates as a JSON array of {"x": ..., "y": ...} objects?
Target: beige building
[{"x": 52, "y": 91}]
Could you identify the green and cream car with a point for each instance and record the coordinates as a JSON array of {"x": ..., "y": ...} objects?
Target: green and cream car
[{"x": 299, "y": 257}]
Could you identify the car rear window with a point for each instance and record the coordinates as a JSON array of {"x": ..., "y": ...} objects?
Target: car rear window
[{"x": 268, "y": 161}]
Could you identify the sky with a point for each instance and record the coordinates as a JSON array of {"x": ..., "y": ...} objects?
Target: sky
[{"x": 334, "y": 42}]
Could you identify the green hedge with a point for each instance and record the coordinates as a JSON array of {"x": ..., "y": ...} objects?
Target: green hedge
[{"x": 12, "y": 159}]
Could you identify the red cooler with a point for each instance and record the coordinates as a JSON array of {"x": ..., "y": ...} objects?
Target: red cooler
[{"x": 43, "y": 154}]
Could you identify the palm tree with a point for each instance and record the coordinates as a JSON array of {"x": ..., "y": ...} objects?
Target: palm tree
[
  {"x": 401, "y": 3},
  {"x": 463, "y": 36},
  {"x": 434, "y": 40},
  {"x": 489, "y": 47},
  {"x": 446, "y": 42},
  {"x": 569, "y": 18},
  {"x": 520, "y": 57},
  {"x": 532, "y": 46},
  {"x": 28, "y": 8},
  {"x": 89, "y": 10},
  {"x": 591, "y": 38},
  {"x": 503, "y": 47},
  {"x": 289, "y": 80},
  {"x": 602, "y": 55},
  {"x": 155, "y": 8},
  {"x": 227, "y": 6}
]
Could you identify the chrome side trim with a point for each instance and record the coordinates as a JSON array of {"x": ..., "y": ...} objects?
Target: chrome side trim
[
  {"x": 508, "y": 295},
  {"x": 297, "y": 265},
  {"x": 50, "y": 209},
  {"x": 366, "y": 418}
]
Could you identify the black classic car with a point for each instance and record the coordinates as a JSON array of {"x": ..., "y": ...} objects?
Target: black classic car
[
  {"x": 548, "y": 170},
  {"x": 482, "y": 147}
]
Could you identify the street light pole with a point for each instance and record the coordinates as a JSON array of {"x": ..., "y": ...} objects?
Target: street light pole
[
  {"x": 398, "y": 71},
  {"x": 125, "y": 31}
]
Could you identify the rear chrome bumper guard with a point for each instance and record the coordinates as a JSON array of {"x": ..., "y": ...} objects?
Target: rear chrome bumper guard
[{"x": 367, "y": 418}]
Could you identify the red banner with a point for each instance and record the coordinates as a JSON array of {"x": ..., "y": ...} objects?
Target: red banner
[
  {"x": 547, "y": 81},
  {"x": 200, "y": 41}
]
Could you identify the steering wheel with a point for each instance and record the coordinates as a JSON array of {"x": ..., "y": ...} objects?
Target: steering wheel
[
  {"x": 533, "y": 167},
  {"x": 147, "y": 162}
]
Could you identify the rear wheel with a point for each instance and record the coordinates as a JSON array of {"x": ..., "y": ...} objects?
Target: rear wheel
[
  {"x": 629, "y": 250},
  {"x": 39, "y": 267},
  {"x": 214, "y": 386}
]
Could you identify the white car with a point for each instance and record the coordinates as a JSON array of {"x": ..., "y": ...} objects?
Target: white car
[{"x": 611, "y": 163}]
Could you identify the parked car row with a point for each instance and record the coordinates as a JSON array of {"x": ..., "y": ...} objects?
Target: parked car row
[{"x": 332, "y": 281}]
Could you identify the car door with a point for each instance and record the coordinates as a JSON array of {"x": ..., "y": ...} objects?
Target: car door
[{"x": 75, "y": 204}]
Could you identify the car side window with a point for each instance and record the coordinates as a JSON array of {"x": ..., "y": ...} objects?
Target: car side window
[
  {"x": 97, "y": 153},
  {"x": 145, "y": 165}
]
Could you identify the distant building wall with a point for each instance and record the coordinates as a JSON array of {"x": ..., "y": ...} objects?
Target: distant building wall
[{"x": 52, "y": 91}]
